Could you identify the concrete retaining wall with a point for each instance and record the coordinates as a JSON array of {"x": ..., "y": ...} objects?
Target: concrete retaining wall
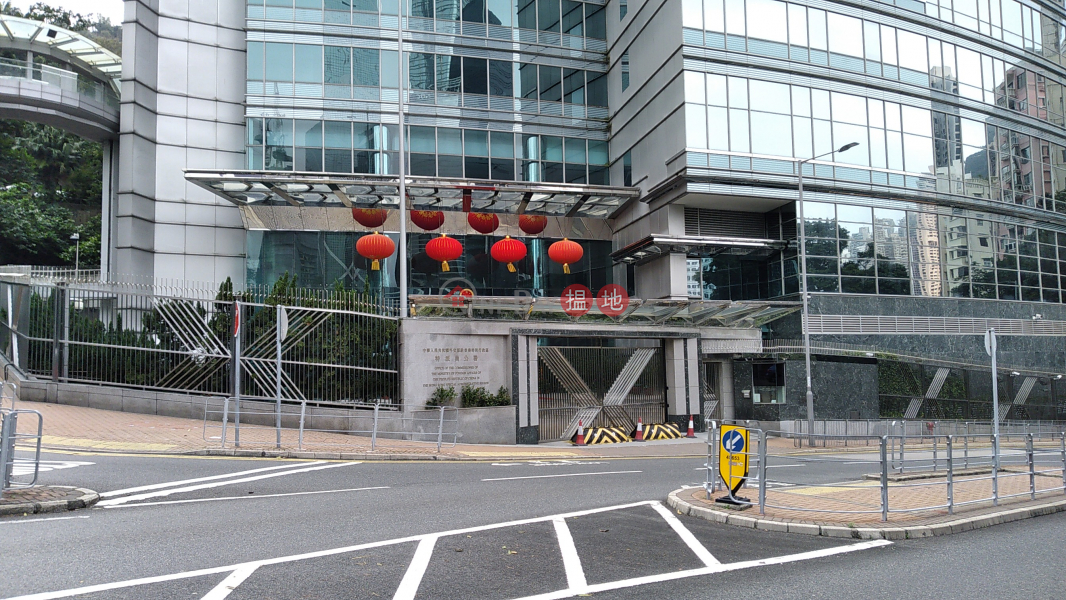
[{"x": 491, "y": 425}]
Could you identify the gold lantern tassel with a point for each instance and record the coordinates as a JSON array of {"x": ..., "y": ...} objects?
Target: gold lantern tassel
[
  {"x": 566, "y": 268},
  {"x": 376, "y": 265},
  {"x": 510, "y": 267},
  {"x": 444, "y": 266}
]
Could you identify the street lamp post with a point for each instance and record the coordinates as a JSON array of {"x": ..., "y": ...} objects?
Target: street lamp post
[
  {"x": 76, "y": 238},
  {"x": 402, "y": 249},
  {"x": 803, "y": 287}
]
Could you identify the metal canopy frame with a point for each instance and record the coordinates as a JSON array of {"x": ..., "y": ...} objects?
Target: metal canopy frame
[
  {"x": 63, "y": 44},
  {"x": 693, "y": 313},
  {"x": 654, "y": 246},
  {"x": 245, "y": 188}
]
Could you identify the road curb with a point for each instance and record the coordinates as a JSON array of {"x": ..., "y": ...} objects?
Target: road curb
[
  {"x": 367, "y": 456},
  {"x": 85, "y": 500},
  {"x": 864, "y": 533}
]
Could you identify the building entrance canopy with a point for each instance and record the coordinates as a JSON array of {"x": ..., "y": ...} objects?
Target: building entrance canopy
[
  {"x": 245, "y": 188},
  {"x": 691, "y": 313}
]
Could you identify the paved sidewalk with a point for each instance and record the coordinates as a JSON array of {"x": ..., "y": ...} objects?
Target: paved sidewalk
[
  {"x": 916, "y": 509},
  {"x": 78, "y": 428}
]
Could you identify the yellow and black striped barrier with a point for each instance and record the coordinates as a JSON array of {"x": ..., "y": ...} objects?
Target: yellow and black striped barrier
[
  {"x": 662, "y": 431},
  {"x": 605, "y": 435}
]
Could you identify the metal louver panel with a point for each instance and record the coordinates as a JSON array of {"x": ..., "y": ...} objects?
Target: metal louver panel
[
  {"x": 702, "y": 221},
  {"x": 873, "y": 324}
]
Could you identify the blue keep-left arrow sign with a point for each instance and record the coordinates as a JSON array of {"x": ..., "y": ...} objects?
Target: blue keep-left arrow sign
[{"x": 733, "y": 441}]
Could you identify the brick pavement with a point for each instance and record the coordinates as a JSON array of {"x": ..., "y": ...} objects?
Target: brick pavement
[{"x": 920, "y": 502}]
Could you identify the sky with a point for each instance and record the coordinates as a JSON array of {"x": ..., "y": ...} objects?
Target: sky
[{"x": 111, "y": 9}]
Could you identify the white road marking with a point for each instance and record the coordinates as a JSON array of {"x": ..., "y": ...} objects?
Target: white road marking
[
  {"x": 418, "y": 538},
  {"x": 690, "y": 540},
  {"x": 544, "y": 463},
  {"x": 157, "y": 486},
  {"x": 226, "y": 587},
  {"x": 416, "y": 570},
  {"x": 253, "y": 496},
  {"x": 626, "y": 583},
  {"x": 575, "y": 574},
  {"x": 17, "y": 521},
  {"x": 24, "y": 466},
  {"x": 319, "y": 554},
  {"x": 204, "y": 486},
  {"x": 561, "y": 475}
]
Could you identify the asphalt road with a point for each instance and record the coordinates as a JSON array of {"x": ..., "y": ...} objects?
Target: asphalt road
[{"x": 313, "y": 529}]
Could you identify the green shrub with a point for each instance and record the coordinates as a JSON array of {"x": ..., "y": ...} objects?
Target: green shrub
[
  {"x": 472, "y": 397},
  {"x": 442, "y": 396}
]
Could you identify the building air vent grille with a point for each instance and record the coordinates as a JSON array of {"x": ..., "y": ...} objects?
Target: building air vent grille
[{"x": 722, "y": 223}]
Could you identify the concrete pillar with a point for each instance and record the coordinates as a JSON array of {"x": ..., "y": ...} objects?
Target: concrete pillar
[
  {"x": 664, "y": 277},
  {"x": 524, "y": 386},
  {"x": 682, "y": 371},
  {"x": 725, "y": 393}
]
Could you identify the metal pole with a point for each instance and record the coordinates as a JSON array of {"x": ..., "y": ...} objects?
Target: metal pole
[
  {"x": 804, "y": 315},
  {"x": 966, "y": 448},
  {"x": 1032, "y": 465},
  {"x": 951, "y": 481},
  {"x": 225, "y": 420},
  {"x": 884, "y": 478},
  {"x": 374, "y": 434},
  {"x": 995, "y": 471},
  {"x": 277, "y": 389},
  {"x": 995, "y": 397},
  {"x": 440, "y": 429},
  {"x": 402, "y": 251},
  {"x": 762, "y": 472},
  {"x": 303, "y": 413},
  {"x": 934, "y": 451},
  {"x": 902, "y": 445},
  {"x": 237, "y": 376},
  {"x": 1062, "y": 450}
]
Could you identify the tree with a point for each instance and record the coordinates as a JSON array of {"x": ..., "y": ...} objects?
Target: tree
[{"x": 35, "y": 232}]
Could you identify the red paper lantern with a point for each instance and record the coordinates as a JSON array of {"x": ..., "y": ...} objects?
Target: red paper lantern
[
  {"x": 566, "y": 252},
  {"x": 444, "y": 249},
  {"x": 483, "y": 222},
  {"x": 532, "y": 224},
  {"x": 510, "y": 251},
  {"x": 427, "y": 219},
  {"x": 370, "y": 217},
  {"x": 375, "y": 247}
]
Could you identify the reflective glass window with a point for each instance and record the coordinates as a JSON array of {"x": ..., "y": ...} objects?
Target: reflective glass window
[
  {"x": 769, "y": 97},
  {"x": 845, "y": 35},
  {"x": 365, "y": 69},
  {"x": 338, "y": 134},
  {"x": 767, "y": 20},
  {"x": 255, "y": 61},
  {"x": 309, "y": 59},
  {"x": 421, "y": 71},
  {"x": 475, "y": 76},
  {"x": 338, "y": 65},
  {"x": 278, "y": 62}
]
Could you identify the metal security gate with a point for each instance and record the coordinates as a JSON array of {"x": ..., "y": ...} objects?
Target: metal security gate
[{"x": 599, "y": 387}]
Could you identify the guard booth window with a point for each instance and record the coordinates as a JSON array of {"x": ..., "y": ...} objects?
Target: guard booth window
[{"x": 768, "y": 383}]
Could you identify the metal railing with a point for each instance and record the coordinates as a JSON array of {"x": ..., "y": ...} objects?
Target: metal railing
[
  {"x": 66, "y": 80},
  {"x": 1003, "y": 467},
  {"x": 315, "y": 426},
  {"x": 9, "y": 436},
  {"x": 341, "y": 347},
  {"x": 864, "y": 432}
]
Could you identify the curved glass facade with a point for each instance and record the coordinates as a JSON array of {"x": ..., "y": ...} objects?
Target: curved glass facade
[{"x": 958, "y": 185}]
